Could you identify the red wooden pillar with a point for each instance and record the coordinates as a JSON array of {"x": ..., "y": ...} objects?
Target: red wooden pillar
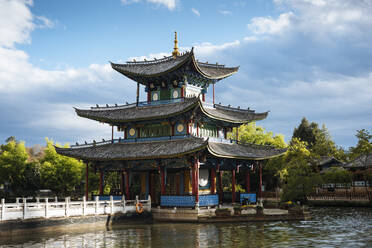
[
  {"x": 193, "y": 180},
  {"x": 182, "y": 92},
  {"x": 86, "y": 182},
  {"x": 127, "y": 185},
  {"x": 162, "y": 180},
  {"x": 100, "y": 182},
  {"x": 220, "y": 185},
  {"x": 247, "y": 181},
  {"x": 213, "y": 180},
  {"x": 196, "y": 166},
  {"x": 197, "y": 129},
  {"x": 122, "y": 182},
  {"x": 233, "y": 185},
  {"x": 203, "y": 97},
  {"x": 148, "y": 96},
  {"x": 260, "y": 189}
]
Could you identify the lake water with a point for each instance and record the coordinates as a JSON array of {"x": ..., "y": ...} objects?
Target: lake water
[{"x": 330, "y": 227}]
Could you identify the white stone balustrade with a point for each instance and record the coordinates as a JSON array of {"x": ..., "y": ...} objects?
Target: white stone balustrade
[{"x": 43, "y": 208}]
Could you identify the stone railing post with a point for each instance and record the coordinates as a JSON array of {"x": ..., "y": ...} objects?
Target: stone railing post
[
  {"x": 24, "y": 207},
  {"x": 136, "y": 199},
  {"x": 111, "y": 204},
  {"x": 46, "y": 208},
  {"x": 96, "y": 205},
  {"x": 84, "y": 204},
  {"x": 37, "y": 202},
  {"x": 2, "y": 209},
  {"x": 123, "y": 202},
  {"x": 67, "y": 206},
  {"x": 55, "y": 199}
]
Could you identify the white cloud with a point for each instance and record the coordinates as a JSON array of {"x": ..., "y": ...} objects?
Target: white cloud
[
  {"x": 44, "y": 22},
  {"x": 15, "y": 22},
  {"x": 151, "y": 56},
  {"x": 170, "y": 4},
  {"x": 129, "y": 1},
  {"x": 225, "y": 12},
  {"x": 268, "y": 25},
  {"x": 195, "y": 11},
  {"x": 207, "y": 48},
  {"x": 84, "y": 129}
]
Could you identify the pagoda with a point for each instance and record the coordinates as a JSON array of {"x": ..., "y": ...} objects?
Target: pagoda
[{"x": 175, "y": 142}]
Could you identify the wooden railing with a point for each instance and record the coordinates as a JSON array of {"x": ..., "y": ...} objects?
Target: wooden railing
[
  {"x": 45, "y": 209},
  {"x": 341, "y": 196}
]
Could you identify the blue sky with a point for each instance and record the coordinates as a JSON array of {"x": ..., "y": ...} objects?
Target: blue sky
[{"x": 298, "y": 58}]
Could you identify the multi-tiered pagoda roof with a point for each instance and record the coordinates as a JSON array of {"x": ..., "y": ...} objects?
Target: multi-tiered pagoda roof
[{"x": 157, "y": 70}]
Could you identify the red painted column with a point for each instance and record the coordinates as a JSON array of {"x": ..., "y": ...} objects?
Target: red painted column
[
  {"x": 197, "y": 129},
  {"x": 162, "y": 179},
  {"x": 203, "y": 97},
  {"x": 173, "y": 127},
  {"x": 233, "y": 185},
  {"x": 87, "y": 182},
  {"x": 182, "y": 92},
  {"x": 260, "y": 189},
  {"x": 100, "y": 182},
  {"x": 213, "y": 180},
  {"x": 127, "y": 185},
  {"x": 122, "y": 182},
  {"x": 149, "y": 96},
  {"x": 196, "y": 165},
  {"x": 247, "y": 181},
  {"x": 220, "y": 185}
]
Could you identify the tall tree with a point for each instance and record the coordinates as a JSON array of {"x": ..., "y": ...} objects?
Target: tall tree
[
  {"x": 59, "y": 173},
  {"x": 319, "y": 141},
  {"x": 251, "y": 133},
  {"x": 13, "y": 163},
  {"x": 364, "y": 145}
]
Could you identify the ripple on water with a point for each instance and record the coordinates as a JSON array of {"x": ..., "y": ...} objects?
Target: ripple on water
[{"x": 330, "y": 227}]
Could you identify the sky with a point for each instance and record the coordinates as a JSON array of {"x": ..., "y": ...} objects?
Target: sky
[{"x": 297, "y": 58}]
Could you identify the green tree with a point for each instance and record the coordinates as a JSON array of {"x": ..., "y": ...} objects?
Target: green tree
[
  {"x": 13, "y": 163},
  {"x": 364, "y": 145},
  {"x": 298, "y": 174},
  {"x": 319, "y": 141},
  {"x": 250, "y": 133},
  {"x": 337, "y": 175},
  {"x": 59, "y": 173}
]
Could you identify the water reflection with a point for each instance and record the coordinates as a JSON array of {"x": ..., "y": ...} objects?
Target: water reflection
[{"x": 330, "y": 227}]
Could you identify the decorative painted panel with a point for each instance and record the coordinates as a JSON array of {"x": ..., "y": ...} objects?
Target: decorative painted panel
[
  {"x": 208, "y": 200},
  {"x": 251, "y": 197},
  {"x": 175, "y": 93},
  {"x": 155, "y": 95},
  {"x": 180, "y": 128},
  {"x": 177, "y": 201},
  {"x": 131, "y": 132}
]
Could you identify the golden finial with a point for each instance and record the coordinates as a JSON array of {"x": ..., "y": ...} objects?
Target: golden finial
[{"x": 175, "y": 52}]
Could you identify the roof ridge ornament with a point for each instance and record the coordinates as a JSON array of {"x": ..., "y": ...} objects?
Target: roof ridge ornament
[{"x": 175, "y": 52}]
